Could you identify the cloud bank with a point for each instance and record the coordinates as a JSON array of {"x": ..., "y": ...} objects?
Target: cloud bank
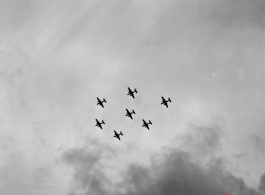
[{"x": 172, "y": 170}]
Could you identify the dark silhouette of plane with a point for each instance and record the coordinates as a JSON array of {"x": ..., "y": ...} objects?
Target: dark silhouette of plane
[
  {"x": 165, "y": 101},
  {"x": 101, "y": 102},
  {"x": 131, "y": 92},
  {"x": 146, "y": 124},
  {"x": 99, "y": 124},
  {"x": 117, "y": 135},
  {"x": 129, "y": 114}
]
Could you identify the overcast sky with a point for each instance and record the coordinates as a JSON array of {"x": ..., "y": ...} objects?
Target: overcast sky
[{"x": 57, "y": 57}]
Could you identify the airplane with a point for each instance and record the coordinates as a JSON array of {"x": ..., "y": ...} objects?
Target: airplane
[
  {"x": 131, "y": 92},
  {"x": 146, "y": 124},
  {"x": 129, "y": 114},
  {"x": 101, "y": 102},
  {"x": 99, "y": 124},
  {"x": 118, "y": 135},
  {"x": 165, "y": 101}
]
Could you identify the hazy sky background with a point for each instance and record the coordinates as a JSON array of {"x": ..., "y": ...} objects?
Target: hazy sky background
[{"x": 56, "y": 57}]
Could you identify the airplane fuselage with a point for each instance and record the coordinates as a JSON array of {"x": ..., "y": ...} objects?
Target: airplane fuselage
[
  {"x": 147, "y": 124},
  {"x": 118, "y": 135},
  {"x": 101, "y": 102},
  {"x": 129, "y": 114},
  {"x": 131, "y": 92},
  {"x": 99, "y": 124}
]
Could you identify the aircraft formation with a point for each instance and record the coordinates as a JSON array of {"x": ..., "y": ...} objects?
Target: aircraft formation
[{"x": 128, "y": 113}]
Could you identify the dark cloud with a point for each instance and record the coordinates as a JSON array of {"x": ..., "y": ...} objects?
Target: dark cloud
[
  {"x": 242, "y": 14},
  {"x": 262, "y": 183},
  {"x": 176, "y": 173},
  {"x": 258, "y": 142},
  {"x": 203, "y": 141},
  {"x": 171, "y": 171},
  {"x": 88, "y": 163},
  {"x": 239, "y": 156}
]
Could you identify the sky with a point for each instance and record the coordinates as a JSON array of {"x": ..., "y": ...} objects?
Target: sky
[{"x": 57, "y": 57}]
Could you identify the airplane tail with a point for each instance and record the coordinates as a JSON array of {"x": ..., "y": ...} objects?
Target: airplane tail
[
  {"x": 121, "y": 133},
  {"x": 135, "y": 90},
  {"x": 150, "y": 122},
  {"x": 169, "y": 99},
  {"x": 133, "y": 112},
  {"x": 104, "y": 100},
  {"x": 103, "y": 122}
]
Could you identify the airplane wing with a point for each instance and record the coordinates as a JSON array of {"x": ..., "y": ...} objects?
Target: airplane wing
[
  {"x": 116, "y": 135},
  {"x": 145, "y": 124},
  {"x": 163, "y": 100},
  {"x": 130, "y": 92},
  {"x": 101, "y": 104},
  {"x": 99, "y": 125},
  {"x": 164, "y": 103}
]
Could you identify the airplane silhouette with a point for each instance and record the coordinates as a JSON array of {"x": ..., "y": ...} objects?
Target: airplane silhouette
[
  {"x": 117, "y": 135},
  {"x": 131, "y": 92},
  {"x": 101, "y": 102},
  {"x": 165, "y": 101},
  {"x": 129, "y": 114},
  {"x": 99, "y": 124},
  {"x": 146, "y": 124}
]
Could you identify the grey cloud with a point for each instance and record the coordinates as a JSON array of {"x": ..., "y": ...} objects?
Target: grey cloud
[
  {"x": 88, "y": 163},
  {"x": 202, "y": 141},
  {"x": 258, "y": 142},
  {"x": 171, "y": 171},
  {"x": 17, "y": 14},
  {"x": 240, "y": 14},
  {"x": 262, "y": 183},
  {"x": 178, "y": 174},
  {"x": 239, "y": 156}
]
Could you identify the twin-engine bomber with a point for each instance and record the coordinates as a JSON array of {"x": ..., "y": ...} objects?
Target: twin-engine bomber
[
  {"x": 129, "y": 114},
  {"x": 117, "y": 135},
  {"x": 101, "y": 102},
  {"x": 131, "y": 92}
]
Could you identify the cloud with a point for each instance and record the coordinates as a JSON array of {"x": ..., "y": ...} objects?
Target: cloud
[
  {"x": 262, "y": 183},
  {"x": 89, "y": 165},
  {"x": 172, "y": 170},
  {"x": 202, "y": 140},
  {"x": 178, "y": 174},
  {"x": 174, "y": 173},
  {"x": 258, "y": 142},
  {"x": 239, "y": 14}
]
